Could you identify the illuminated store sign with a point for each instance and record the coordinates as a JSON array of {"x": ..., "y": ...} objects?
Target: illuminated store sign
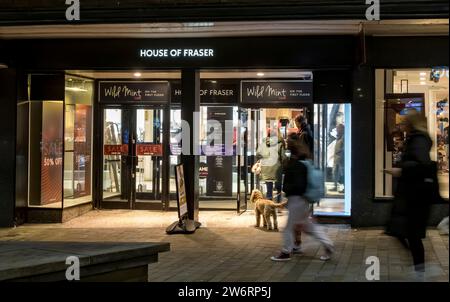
[
  {"x": 176, "y": 53},
  {"x": 283, "y": 91},
  {"x": 133, "y": 91}
]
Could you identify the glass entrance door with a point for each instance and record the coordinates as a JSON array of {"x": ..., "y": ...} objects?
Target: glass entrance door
[
  {"x": 148, "y": 154},
  {"x": 132, "y": 157}
]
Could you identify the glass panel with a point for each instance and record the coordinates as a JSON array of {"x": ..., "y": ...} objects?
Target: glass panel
[
  {"x": 149, "y": 152},
  {"x": 113, "y": 149},
  {"x": 78, "y": 141},
  {"x": 282, "y": 123},
  {"x": 219, "y": 161},
  {"x": 175, "y": 147},
  {"x": 332, "y": 139}
]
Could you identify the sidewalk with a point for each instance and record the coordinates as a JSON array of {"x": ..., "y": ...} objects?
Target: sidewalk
[{"x": 228, "y": 248}]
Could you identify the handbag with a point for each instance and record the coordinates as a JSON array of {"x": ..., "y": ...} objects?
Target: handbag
[
  {"x": 431, "y": 183},
  {"x": 256, "y": 168}
]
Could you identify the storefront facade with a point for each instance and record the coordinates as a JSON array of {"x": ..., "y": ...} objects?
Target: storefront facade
[{"x": 72, "y": 136}]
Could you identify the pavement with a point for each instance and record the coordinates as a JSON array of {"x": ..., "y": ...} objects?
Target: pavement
[{"x": 227, "y": 247}]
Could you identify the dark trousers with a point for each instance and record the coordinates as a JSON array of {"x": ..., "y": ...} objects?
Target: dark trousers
[
  {"x": 338, "y": 174},
  {"x": 417, "y": 252},
  {"x": 269, "y": 194}
]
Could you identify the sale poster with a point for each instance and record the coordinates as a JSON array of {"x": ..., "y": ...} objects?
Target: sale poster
[{"x": 52, "y": 152}]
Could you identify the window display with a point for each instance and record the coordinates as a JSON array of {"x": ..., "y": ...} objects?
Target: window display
[
  {"x": 332, "y": 145},
  {"x": 77, "y": 141},
  {"x": 398, "y": 91}
]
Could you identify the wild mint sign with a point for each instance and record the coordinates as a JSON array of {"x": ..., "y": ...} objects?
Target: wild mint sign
[
  {"x": 133, "y": 91},
  {"x": 276, "y": 91}
]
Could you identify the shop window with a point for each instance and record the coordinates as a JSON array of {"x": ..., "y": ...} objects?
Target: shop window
[
  {"x": 397, "y": 91},
  {"x": 78, "y": 141},
  {"x": 332, "y": 155},
  {"x": 54, "y": 144}
]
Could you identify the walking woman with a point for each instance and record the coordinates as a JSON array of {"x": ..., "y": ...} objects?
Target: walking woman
[
  {"x": 294, "y": 185},
  {"x": 414, "y": 190}
]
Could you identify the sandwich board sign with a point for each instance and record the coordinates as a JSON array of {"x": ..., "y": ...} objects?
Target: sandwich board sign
[{"x": 181, "y": 191}]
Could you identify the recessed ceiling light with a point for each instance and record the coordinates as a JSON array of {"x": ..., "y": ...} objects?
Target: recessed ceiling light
[
  {"x": 137, "y": 74},
  {"x": 423, "y": 79},
  {"x": 423, "y": 83},
  {"x": 70, "y": 80},
  {"x": 260, "y": 74},
  {"x": 423, "y": 73}
]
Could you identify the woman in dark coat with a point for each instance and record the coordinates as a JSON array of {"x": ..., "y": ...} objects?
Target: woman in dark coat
[{"x": 414, "y": 192}]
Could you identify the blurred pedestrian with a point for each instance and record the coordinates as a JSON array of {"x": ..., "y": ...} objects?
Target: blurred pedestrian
[
  {"x": 414, "y": 192},
  {"x": 294, "y": 185},
  {"x": 443, "y": 226}
]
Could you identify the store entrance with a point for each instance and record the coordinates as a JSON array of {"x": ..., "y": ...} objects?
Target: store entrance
[
  {"x": 330, "y": 130},
  {"x": 132, "y": 163}
]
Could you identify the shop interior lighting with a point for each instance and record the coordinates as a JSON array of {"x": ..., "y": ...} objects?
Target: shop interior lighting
[
  {"x": 422, "y": 74},
  {"x": 423, "y": 83},
  {"x": 78, "y": 86},
  {"x": 77, "y": 89},
  {"x": 260, "y": 74},
  {"x": 137, "y": 74}
]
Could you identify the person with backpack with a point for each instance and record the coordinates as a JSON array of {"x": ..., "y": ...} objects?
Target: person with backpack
[{"x": 301, "y": 190}]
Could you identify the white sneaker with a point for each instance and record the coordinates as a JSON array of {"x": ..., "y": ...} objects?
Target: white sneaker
[{"x": 327, "y": 256}]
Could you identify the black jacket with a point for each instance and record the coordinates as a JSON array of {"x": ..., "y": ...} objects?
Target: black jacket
[
  {"x": 295, "y": 178},
  {"x": 413, "y": 195},
  {"x": 306, "y": 138}
]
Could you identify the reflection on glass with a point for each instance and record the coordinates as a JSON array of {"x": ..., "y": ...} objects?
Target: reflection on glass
[{"x": 112, "y": 151}]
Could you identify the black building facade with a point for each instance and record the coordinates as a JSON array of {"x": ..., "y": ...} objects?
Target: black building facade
[{"x": 344, "y": 69}]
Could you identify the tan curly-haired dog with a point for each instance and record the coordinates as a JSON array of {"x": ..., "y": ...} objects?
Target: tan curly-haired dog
[{"x": 266, "y": 208}]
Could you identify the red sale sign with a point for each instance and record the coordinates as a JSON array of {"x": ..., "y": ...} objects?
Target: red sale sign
[
  {"x": 149, "y": 149},
  {"x": 115, "y": 149}
]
